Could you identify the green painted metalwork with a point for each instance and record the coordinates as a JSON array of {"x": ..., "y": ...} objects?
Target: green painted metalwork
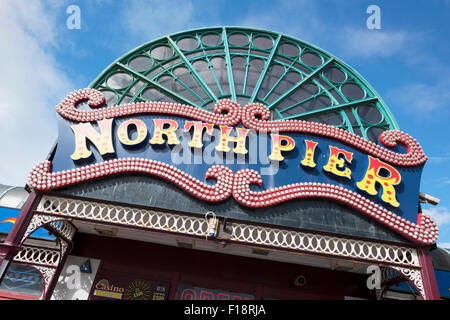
[
  {"x": 295, "y": 79},
  {"x": 266, "y": 67}
]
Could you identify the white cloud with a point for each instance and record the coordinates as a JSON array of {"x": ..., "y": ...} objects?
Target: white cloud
[
  {"x": 440, "y": 215},
  {"x": 30, "y": 85},
  {"x": 367, "y": 43},
  {"x": 151, "y": 19},
  {"x": 438, "y": 160}
]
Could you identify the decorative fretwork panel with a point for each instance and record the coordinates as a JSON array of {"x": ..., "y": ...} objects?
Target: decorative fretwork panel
[
  {"x": 414, "y": 276},
  {"x": 126, "y": 216},
  {"x": 322, "y": 244},
  {"x": 38, "y": 256}
]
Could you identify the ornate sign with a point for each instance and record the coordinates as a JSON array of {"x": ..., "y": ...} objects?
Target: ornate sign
[
  {"x": 122, "y": 287},
  {"x": 256, "y": 161}
]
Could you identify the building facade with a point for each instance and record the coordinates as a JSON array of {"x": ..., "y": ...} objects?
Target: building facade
[{"x": 227, "y": 163}]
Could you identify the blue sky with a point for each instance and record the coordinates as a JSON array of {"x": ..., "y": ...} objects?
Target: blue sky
[{"x": 407, "y": 61}]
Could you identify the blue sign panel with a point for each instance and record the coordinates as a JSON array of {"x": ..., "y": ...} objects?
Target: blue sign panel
[{"x": 258, "y": 162}]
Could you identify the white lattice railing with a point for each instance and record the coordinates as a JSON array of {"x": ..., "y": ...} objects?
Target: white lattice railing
[
  {"x": 123, "y": 215},
  {"x": 285, "y": 239},
  {"x": 322, "y": 244},
  {"x": 38, "y": 256}
]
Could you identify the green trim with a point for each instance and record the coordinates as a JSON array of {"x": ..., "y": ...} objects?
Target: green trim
[
  {"x": 229, "y": 65},
  {"x": 331, "y": 108},
  {"x": 156, "y": 84},
  {"x": 291, "y": 90},
  {"x": 281, "y": 85},
  {"x": 192, "y": 70},
  {"x": 266, "y": 67}
]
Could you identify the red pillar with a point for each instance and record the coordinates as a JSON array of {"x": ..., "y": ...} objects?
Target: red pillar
[
  {"x": 10, "y": 247},
  {"x": 427, "y": 272}
]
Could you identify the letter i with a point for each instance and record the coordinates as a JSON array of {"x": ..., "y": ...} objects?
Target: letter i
[{"x": 308, "y": 161}]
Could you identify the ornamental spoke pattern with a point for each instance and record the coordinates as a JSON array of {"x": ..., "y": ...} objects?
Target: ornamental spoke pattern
[
  {"x": 126, "y": 216},
  {"x": 296, "y": 80},
  {"x": 321, "y": 244}
]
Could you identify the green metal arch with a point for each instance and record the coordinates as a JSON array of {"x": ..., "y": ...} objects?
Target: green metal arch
[{"x": 179, "y": 78}]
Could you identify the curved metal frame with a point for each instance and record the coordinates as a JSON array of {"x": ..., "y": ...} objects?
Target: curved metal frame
[{"x": 177, "y": 79}]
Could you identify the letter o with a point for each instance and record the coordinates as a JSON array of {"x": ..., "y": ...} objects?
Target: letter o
[{"x": 122, "y": 132}]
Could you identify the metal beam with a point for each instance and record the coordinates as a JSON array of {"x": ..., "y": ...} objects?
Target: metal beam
[
  {"x": 300, "y": 83},
  {"x": 157, "y": 85},
  {"x": 266, "y": 67},
  {"x": 191, "y": 68}
]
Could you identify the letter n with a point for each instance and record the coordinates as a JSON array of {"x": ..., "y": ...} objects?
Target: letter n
[{"x": 102, "y": 141}]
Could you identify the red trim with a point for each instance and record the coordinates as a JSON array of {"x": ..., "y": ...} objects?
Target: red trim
[
  {"x": 238, "y": 185},
  {"x": 256, "y": 115},
  {"x": 217, "y": 271},
  {"x": 424, "y": 232},
  {"x": 428, "y": 277},
  {"x": 227, "y": 112},
  {"x": 7, "y": 295},
  {"x": 42, "y": 179}
]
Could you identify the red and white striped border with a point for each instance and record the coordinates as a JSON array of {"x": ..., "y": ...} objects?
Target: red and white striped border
[
  {"x": 41, "y": 177},
  {"x": 238, "y": 185},
  {"x": 226, "y": 112},
  {"x": 254, "y": 116},
  {"x": 424, "y": 232}
]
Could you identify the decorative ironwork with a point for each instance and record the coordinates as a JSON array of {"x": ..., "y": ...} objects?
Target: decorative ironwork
[
  {"x": 47, "y": 274},
  {"x": 36, "y": 222},
  {"x": 414, "y": 276},
  {"x": 295, "y": 79},
  {"x": 126, "y": 216},
  {"x": 64, "y": 229},
  {"x": 286, "y": 239},
  {"x": 321, "y": 244},
  {"x": 38, "y": 256}
]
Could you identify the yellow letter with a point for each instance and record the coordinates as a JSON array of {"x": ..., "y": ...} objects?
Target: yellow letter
[
  {"x": 225, "y": 138},
  {"x": 277, "y": 147},
  {"x": 196, "y": 141},
  {"x": 334, "y": 162},
  {"x": 122, "y": 132},
  {"x": 308, "y": 161},
  {"x": 102, "y": 141},
  {"x": 168, "y": 132},
  {"x": 372, "y": 175}
]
